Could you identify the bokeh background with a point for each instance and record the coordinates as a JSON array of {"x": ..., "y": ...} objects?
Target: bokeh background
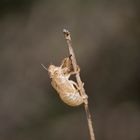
[{"x": 107, "y": 45}]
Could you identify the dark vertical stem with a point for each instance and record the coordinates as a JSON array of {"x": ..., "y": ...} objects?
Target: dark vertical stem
[{"x": 80, "y": 83}]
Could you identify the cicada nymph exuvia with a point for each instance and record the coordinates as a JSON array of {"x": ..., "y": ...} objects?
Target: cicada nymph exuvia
[{"x": 67, "y": 89}]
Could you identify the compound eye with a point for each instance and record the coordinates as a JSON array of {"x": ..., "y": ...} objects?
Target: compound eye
[{"x": 56, "y": 72}]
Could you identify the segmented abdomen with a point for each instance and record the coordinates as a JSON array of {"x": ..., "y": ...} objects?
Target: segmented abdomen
[
  {"x": 72, "y": 99},
  {"x": 67, "y": 92}
]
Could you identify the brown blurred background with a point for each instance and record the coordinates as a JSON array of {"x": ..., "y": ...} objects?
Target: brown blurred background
[{"x": 107, "y": 45}]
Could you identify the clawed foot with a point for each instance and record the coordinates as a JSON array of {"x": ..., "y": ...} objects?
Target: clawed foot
[
  {"x": 75, "y": 72},
  {"x": 85, "y": 99}
]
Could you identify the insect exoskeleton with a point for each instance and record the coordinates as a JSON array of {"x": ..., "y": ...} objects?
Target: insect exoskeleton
[
  {"x": 54, "y": 71},
  {"x": 67, "y": 89},
  {"x": 72, "y": 99}
]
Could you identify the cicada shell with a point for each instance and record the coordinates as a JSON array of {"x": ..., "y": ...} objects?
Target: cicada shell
[{"x": 66, "y": 88}]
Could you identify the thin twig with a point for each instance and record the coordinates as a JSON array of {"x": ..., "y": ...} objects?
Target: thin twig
[{"x": 80, "y": 83}]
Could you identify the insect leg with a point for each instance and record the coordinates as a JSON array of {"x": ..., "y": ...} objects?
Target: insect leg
[
  {"x": 76, "y": 85},
  {"x": 78, "y": 88},
  {"x": 75, "y": 72}
]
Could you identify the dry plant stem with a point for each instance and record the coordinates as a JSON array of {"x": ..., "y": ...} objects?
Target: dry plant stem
[{"x": 80, "y": 83}]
